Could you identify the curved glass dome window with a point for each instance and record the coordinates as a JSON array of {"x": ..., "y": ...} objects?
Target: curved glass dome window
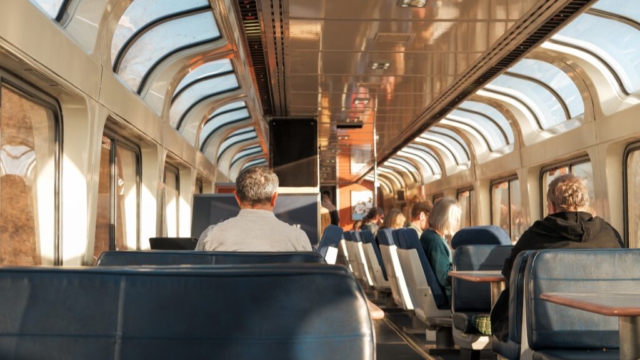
[
  {"x": 152, "y": 30},
  {"x": 488, "y": 128},
  {"x": 491, "y": 113},
  {"x": 256, "y": 162},
  {"x": 53, "y": 8},
  {"x": 197, "y": 92},
  {"x": 245, "y": 153},
  {"x": 556, "y": 80},
  {"x": 226, "y": 115},
  {"x": 450, "y": 141},
  {"x": 397, "y": 180},
  {"x": 203, "y": 72},
  {"x": 548, "y": 107},
  {"x": 235, "y": 138},
  {"x": 425, "y": 156},
  {"x": 610, "y": 31},
  {"x": 405, "y": 166},
  {"x": 384, "y": 183}
]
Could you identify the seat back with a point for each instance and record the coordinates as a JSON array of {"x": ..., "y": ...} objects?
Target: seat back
[
  {"x": 363, "y": 262},
  {"x": 169, "y": 313},
  {"x": 352, "y": 250},
  {"x": 329, "y": 243},
  {"x": 470, "y": 296},
  {"x": 138, "y": 258},
  {"x": 374, "y": 260},
  {"x": 551, "y": 326},
  {"x": 426, "y": 294},
  {"x": 389, "y": 253},
  {"x": 480, "y": 235}
]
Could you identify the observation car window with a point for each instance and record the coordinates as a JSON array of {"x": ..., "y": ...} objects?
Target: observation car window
[
  {"x": 436, "y": 198},
  {"x": 171, "y": 201},
  {"x": 29, "y": 170},
  {"x": 582, "y": 169},
  {"x": 235, "y": 138},
  {"x": 632, "y": 187},
  {"x": 50, "y": 7},
  {"x": 449, "y": 140},
  {"x": 248, "y": 152},
  {"x": 491, "y": 113},
  {"x": 488, "y": 130},
  {"x": 118, "y": 196},
  {"x": 506, "y": 207},
  {"x": 612, "y": 40},
  {"x": 199, "y": 189},
  {"x": 467, "y": 201}
]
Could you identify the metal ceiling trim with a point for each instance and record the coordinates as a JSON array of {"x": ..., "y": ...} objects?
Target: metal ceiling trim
[
  {"x": 540, "y": 24},
  {"x": 274, "y": 19}
]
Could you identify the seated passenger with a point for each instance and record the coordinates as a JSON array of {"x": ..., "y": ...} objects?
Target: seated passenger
[
  {"x": 256, "y": 228},
  {"x": 420, "y": 216},
  {"x": 373, "y": 220},
  {"x": 444, "y": 221},
  {"x": 568, "y": 225},
  {"x": 327, "y": 204}
]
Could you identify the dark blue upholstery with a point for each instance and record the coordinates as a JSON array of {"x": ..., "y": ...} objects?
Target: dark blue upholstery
[
  {"x": 385, "y": 237},
  {"x": 470, "y": 296},
  {"x": 556, "y": 327},
  {"x": 173, "y": 243},
  {"x": 395, "y": 236},
  {"x": 134, "y": 258},
  {"x": 349, "y": 235},
  {"x": 367, "y": 237},
  {"x": 234, "y": 312},
  {"x": 408, "y": 239},
  {"x": 331, "y": 238},
  {"x": 511, "y": 348},
  {"x": 480, "y": 235}
]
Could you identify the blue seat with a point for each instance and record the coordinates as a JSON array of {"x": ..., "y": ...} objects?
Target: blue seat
[
  {"x": 177, "y": 313},
  {"x": 559, "y": 332},
  {"x": 358, "y": 264},
  {"x": 330, "y": 239},
  {"x": 510, "y": 348},
  {"x": 469, "y": 298},
  {"x": 480, "y": 235},
  {"x": 397, "y": 283},
  {"x": 137, "y": 258},
  {"x": 367, "y": 238}
]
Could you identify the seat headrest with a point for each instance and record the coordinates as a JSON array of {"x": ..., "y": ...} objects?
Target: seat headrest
[
  {"x": 480, "y": 235},
  {"x": 385, "y": 237},
  {"x": 332, "y": 235},
  {"x": 366, "y": 236},
  {"x": 139, "y": 258},
  {"x": 349, "y": 235}
]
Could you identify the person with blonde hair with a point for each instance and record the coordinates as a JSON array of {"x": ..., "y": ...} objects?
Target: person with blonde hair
[
  {"x": 444, "y": 222},
  {"x": 393, "y": 220},
  {"x": 568, "y": 225}
]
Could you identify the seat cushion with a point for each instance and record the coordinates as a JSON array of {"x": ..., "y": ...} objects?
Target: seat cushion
[{"x": 612, "y": 354}]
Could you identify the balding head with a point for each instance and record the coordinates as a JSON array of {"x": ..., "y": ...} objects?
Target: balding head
[{"x": 256, "y": 186}]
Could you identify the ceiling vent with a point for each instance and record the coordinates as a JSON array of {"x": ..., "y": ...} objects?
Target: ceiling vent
[{"x": 394, "y": 37}]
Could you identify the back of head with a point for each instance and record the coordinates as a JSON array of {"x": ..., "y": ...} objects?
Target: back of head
[
  {"x": 445, "y": 217},
  {"x": 393, "y": 220},
  {"x": 421, "y": 207},
  {"x": 372, "y": 214},
  {"x": 256, "y": 185},
  {"x": 568, "y": 193}
]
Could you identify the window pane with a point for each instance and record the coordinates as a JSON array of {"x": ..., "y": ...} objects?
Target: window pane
[
  {"x": 258, "y": 162},
  {"x": 27, "y": 181},
  {"x": 555, "y": 78},
  {"x": 199, "y": 91},
  {"x": 473, "y": 207},
  {"x": 613, "y": 41},
  {"x": 625, "y": 8},
  {"x": 450, "y": 141},
  {"x": 171, "y": 199},
  {"x": 489, "y": 130},
  {"x": 250, "y": 151},
  {"x": 216, "y": 122},
  {"x": 103, "y": 215},
  {"x": 206, "y": 70},
  {"x": 163, "y": 39},
  {"x": 126, "y": 199},
  {"x": 500, "y": 206},
  {"x": 547, "y": 178},
  {"x": 235, "y": 138},
  {"x": 584, "y": 171},
  {"x": 633, "y": 198},
  {"x": 50, "y": 7},
  {"x": 545, "y": 106},
  {"x": 465, "y": 204},
  {"x": 491, "y": 112},
  {"x": 142, "y": 12},
  {"x": 517, "y": 220}
]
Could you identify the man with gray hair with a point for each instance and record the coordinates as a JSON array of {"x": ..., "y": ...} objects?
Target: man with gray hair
[{"x": 256, "y": 228}]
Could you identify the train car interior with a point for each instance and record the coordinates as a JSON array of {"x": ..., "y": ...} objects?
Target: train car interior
[{"x": 124, "y": 125}]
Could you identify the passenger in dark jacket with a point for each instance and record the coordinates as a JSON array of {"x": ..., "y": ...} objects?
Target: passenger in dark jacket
[
  {"x": 568, "y": 227},
  {"x": 444, "y": 220}
]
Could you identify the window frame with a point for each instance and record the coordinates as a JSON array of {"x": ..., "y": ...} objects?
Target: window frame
[
  {"x": 41, "y": 97},
  {"x": 629, "y": 149},
  {"x": 569, "y": 163},
  {"x": 174, "y": 169},
  {"x": 118, "y": 140}
]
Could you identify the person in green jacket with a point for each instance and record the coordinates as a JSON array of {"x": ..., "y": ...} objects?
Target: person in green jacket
[{"x": 444, "y": 221}]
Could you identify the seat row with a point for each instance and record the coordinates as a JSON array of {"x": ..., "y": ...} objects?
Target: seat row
[{"x": 179, "y": 304}]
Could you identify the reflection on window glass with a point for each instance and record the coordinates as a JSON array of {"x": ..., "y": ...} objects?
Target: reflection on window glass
[
  {"x": 143, "y": 12},
  {"x": 491, "y": 112},
  {"x": 547, "y": 108},
  {"x": 613, "y": 41},
  {"x": 200, "y": 91},
  {"x": 484, "y": 126},
  {"x": 27, "y": 180},
  {"x": 466, "y": 199},
  {"x": 506, "y": 208},
  {"x": 633, "y": 198},
  {"x": 583, "y": 171},
  {"x": 162, "y": 40},
  {"x": 171, "y": 200},
  {"x": 120, "y": 188},
  {"x": 556, "y": 79},
  {"x": 50, "y": 7},
  {"x": 205, "y": 71},
  {"x": 216, "y": 122}
]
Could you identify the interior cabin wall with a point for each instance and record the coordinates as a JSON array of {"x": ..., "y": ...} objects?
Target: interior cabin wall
[{"x": 346, "y": 205}]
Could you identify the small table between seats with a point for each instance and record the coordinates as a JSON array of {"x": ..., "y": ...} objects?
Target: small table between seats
[
  {"x": 496, "y": 279},
  {"x": 624, "y": 305}
]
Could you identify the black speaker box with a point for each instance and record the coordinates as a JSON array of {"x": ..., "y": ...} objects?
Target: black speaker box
[{"x": 293, "y": 151}]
